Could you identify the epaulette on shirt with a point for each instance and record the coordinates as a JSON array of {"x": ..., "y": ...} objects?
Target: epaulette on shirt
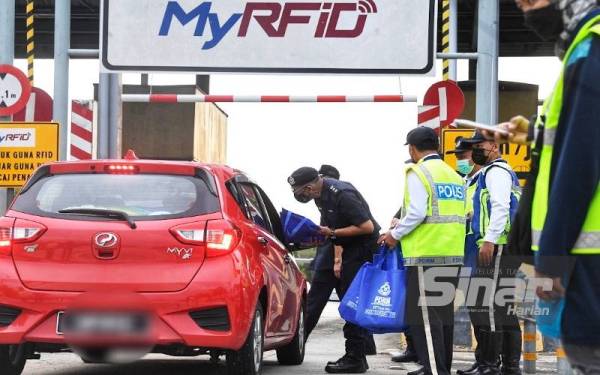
[{"x": 333, "y": 189}]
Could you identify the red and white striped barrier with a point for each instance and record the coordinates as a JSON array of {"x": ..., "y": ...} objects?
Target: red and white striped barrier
[
  {"x": 174, "y": 98},
  {"x": 82, "y": 136}
]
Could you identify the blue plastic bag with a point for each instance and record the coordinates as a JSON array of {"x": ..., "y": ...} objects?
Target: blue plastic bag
[
  {"x": 550, "y": 317},
  {"x": 382, "y": 300},
  {"x": 300, "y": 231}
]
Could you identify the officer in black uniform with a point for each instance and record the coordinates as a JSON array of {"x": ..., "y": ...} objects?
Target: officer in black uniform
[
  {"x": 349, "y": 224},
  {"x": 324, "y": 280}
]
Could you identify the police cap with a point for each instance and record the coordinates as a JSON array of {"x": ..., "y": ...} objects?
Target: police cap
[
  {"x": 423, "y": 136},
  {"x": 329, "y": 171},
  {"x": 302, "y": 176}
]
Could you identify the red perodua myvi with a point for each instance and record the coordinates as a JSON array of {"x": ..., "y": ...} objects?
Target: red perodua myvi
[{"x": 180, "y": 258}]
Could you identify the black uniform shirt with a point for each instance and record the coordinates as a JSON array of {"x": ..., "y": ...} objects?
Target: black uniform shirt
[{"x": 341, "y": 205}]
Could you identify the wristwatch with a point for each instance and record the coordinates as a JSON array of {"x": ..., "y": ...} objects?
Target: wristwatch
[{"x": 332, "y": 235}]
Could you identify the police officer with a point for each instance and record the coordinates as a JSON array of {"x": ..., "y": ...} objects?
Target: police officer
[
  {"x": 432, "y": 236},
  {"x": 469, "y": 170},
  {"x": 349, "y": 224},
  {"x": 494, "y": 203},
  {"x": 324, "y": 280},
  {"x": 564, "y": 205}
]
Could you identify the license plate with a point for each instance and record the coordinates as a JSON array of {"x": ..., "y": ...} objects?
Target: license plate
[{"x": 102, "y": 323}]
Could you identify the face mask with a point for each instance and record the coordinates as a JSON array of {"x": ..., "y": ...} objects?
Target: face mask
[
  {"x": 480, "y": 156},
  {"x": 546, "y": 22},
  {"x": 464, "y": 167},
  {"x": 302, "y": 198}
]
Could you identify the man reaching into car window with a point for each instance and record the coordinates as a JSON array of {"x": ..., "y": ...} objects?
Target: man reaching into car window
[{"x": 348, "y": 222}]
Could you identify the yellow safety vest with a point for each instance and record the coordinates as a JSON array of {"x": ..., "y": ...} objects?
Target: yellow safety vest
[
  {"x": 589, "y": 238},
  {"x": 440, "y": 238}
]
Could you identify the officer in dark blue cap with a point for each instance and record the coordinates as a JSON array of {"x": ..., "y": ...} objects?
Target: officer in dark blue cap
[
  {"x": 324, "y": 280},
  {"x": 347, "y": 221}
]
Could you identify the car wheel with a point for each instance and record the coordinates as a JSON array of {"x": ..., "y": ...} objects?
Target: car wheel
[
  {"x": 12, "y": 359},
  {"x": 93, "y": 355},
  {"x": 248, "y": 360},
  {"x": 293, "y": 353}
]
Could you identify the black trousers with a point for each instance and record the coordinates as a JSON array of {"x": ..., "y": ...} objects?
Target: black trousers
[
  {"x": 431, "y": 325},
  {"x": 495, "y": 323}
]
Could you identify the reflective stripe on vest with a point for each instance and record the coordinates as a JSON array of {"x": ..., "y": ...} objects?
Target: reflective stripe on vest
[
  {"x": 439, "y": 239},
  {"x": 588, "y": 241},
  {"x": 482, "y": 205}
]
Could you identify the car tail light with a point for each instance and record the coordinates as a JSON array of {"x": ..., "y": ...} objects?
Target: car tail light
[
  {"x": 121, "y": 169},
  {"x": 27, "y": 231},
  {"x": 22, "y": 231},
  {"x": 219, "y": 236}
]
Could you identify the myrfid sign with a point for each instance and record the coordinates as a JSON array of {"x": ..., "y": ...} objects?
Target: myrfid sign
[{"x": 310, "y": 36}]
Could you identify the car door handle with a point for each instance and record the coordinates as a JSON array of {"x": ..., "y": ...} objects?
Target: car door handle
[
  {"x": 287, "y": 258},
  {"x": 263, "y": 241}
]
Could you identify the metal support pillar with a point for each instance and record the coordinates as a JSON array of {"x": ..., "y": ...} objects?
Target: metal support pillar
[
  {"x": 114, "y": 117},
  {"x": 487, "y": 63},
  {"x": 7, "y": 55},
  {"x": 62, "y": 42},
  {"x": 103, "y": 115},
  {"x": 453, "y": 37}
]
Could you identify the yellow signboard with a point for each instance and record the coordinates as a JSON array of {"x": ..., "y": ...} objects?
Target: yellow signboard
[
  {"x": 24, "y": 146},
  {"x": 517, "y": 156}
]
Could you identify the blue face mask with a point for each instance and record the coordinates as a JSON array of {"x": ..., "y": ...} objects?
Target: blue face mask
[{"x": 464, "y": 167}]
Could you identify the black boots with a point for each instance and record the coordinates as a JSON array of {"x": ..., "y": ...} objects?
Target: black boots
[
  {"x": 409, "y": 355},
  {"x": 511, "y": 353},
  {"x": 347, "y": 365},
  {"x": 470, "y": 371},
  {"x": 490, "y": 350}
]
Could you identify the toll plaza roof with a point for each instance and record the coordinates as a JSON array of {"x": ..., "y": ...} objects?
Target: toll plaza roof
[{"x": 515, "y": 38}]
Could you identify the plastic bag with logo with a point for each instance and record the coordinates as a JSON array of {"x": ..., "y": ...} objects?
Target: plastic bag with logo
[
  {"x": 349, "y": 303},
  {"x": 382, "y": 298},
  {"x": 299, "y": 231}
]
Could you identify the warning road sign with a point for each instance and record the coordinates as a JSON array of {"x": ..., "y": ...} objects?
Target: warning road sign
[
  {"x": 14, "y": 90},
  {"x": 450, "y": 99},
  {"x": 24, "y": 147}
]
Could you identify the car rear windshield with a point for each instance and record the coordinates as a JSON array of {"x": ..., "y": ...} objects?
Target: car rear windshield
[{"x": 141, "y": 196}]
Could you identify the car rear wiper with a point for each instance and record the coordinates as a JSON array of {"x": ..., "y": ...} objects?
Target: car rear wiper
[{"x": 101, "y": 212}]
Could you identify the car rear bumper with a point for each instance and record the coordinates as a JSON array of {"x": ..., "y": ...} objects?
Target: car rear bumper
[{"x": 220, "y": 283}]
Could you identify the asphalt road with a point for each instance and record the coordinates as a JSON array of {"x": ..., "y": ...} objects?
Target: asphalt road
[{"x": 324, "y": 345}]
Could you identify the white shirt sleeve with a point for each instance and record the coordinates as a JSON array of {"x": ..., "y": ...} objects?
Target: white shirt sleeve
[
  {"x": 499, "y": 184},
  {"x": 417, "y": 209}
]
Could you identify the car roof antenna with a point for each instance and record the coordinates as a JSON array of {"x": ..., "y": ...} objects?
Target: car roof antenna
[{"x": 130, "y": 155}]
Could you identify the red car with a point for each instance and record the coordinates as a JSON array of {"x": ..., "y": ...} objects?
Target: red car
[{"x": 180, "y": 258}]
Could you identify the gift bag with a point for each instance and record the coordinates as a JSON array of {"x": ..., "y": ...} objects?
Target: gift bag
[
  {"x": 349, "y": 302},
  {"x": 382, "y": 297},
  {"x": 300, "y": 231}
]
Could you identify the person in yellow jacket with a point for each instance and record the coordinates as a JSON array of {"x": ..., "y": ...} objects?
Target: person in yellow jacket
[
  {"x": 565, "y": 204},
  {"x": 431, "y": 232}
]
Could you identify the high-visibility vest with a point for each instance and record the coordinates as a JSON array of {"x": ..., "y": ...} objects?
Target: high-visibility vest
[
  {"x": 588, "y": 241},
  {"x": 482, "y": 207},
  {"x": 440, "y": 238}
]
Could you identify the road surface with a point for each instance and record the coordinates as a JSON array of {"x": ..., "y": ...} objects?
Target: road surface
[{"x": 325, "y": 344}]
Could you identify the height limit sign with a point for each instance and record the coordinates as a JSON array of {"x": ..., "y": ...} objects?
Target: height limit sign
[{"x": 24, "y": 147}]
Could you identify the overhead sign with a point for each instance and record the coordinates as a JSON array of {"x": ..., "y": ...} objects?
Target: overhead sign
[
  {"x": 517, "y": 156},
  {"x": 23, "y": 148},
  {"x": 450, "y": 99},
  {"x": 14, "y": 90},
  {"x": 311, "y": 36}
]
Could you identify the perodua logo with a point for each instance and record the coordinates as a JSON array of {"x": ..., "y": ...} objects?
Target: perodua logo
[{"x": 106, "y": 240}]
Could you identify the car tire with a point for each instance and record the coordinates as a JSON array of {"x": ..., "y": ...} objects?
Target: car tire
[
  {"x": 248, "y": 360},
  {"x": 293, "y": 353},
  {"x": 93, "y": 356},
  {"x": 12, "y": 359}
]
